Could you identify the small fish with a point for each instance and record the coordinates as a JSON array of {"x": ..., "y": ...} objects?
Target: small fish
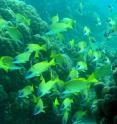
[
  {"x": 92, "y": 78},
  {"x": 69, "y": 22},
  {"x": 26, "y": 91},
  {"x": 87, "y": 31},
  {"x": 39, "y": 107},
  {"x": 96, "y": 56},
  {"x": 97, "y": 19},
  {"x": 82, "y": 46},
  {"x": 111, "y": 22},
  {"x": 45, "y": 87},
  {"x": 72, "y": 43},
  {"x": 99, "y": 22},
  {"x": 22, "y": 58},
  {"x": 55, "y": 19},
  {"x": 66, "y": 105},
  {"x": 22, "y": 19},
  {"x": 73, "y": 74},
  {"x": 75, "y": 86},
  {"x": 81, "y": 6},
  {"x": 6, "y": 63},
  {"x": 81, "y": 66},
  {"x": 36, "y": 48},
  {"x": 58, "y": 26},
  {"x": 38, "y": 68}
]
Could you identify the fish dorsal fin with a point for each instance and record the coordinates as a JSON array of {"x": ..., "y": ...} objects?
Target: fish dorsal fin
[{"x": 42, "y": 79}]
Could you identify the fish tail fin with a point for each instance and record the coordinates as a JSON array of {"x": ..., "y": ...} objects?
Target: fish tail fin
[{"x": 52, "y": 62}]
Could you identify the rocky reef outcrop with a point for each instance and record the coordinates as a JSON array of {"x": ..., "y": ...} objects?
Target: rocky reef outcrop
[
  {"x": 106, "y": 104},
  {"x": 19, "y": 23}
]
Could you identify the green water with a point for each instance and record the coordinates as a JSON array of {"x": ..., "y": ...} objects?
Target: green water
[{"x": 58, "y": 62}]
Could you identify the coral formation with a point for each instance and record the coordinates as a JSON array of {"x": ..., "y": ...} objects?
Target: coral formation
[{"x": 47, "y": 79}]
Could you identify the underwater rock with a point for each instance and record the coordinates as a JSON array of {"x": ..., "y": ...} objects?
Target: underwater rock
[
  {"x": 7, "y": 14},
  {"x": 115, "y": 120},
  {"x": 38, "y": 39},
  {"x": 99, "y": 90},
  {"x": 3, "y": 94},
  {"x": 106, "y": 108},
  {"x": 104, "y": 120},
  {"x": 3, "y": 4},
  {"x": 25, "y": 30},
  {"x": 113, "y": 90},
  {"x": 11, "y": 48},
  {"x": 38, "y": 26},
  {"x": 97, "y": 110},
  {"x": 109, "y": 105}
]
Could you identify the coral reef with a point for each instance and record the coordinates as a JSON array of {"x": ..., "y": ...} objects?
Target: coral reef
[
  {"x": 106, "y": 105},
  {"x": 8, "y": 11},
  {"x": 11, "y": 111},
  {"x": 47, "y": 79}
]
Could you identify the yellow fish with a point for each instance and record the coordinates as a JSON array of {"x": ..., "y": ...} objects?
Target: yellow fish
[
  {"x": 45, "y": 87},
  {"x": 26, "y": 91},
  {"x": 38, "y": 68},
  {"x": 81, "y": 66},
  {"x": 22, "y": 58},
  {"x": 75, "y": 86},
  {"x": 36, "y": 48},
  {"x": 58, "y": 26},
  {"x": 6, "y": 63},
  {"x": 39, "y": 107},
  {"x": 87, "y": 31}
]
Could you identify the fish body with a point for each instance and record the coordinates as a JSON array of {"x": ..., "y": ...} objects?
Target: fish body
[
  {"x": 59, "y": 26},
  {"x": 73, "y": 74},
  {"x": 87, "y": 31},
  {"x": 21, "y": 18},
  {"x": 22, "y": 58},
  {"x": 45, "y": 88},
  {"x": 26, "y": 91},
  {"x": 39, "y": 107},
  {"x": 38, "y": 68},
  {"x": 36, "y": 48},
  {"x": 75, "y": 86},
  {"x": 81, "y": 46},
  {"x": 67, "y": 103},
  {"x": 6, "y": 63}
]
